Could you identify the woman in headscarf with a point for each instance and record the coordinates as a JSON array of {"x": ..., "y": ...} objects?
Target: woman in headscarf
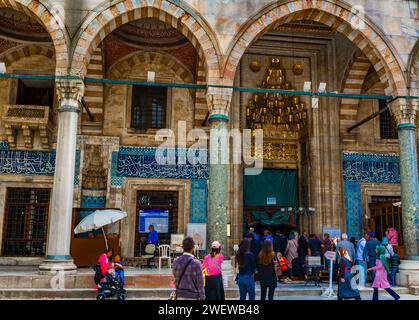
[
  {"x": 382, "y": 270},
  {"x": 346, "y": 287},
  {"x": 291, "y": 253}
]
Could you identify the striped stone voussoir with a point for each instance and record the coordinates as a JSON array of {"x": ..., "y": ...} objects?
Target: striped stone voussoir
[
  {"x": 25, "y": 51},
  {"x": 52, "y": 23},
  {"x": 93, "y": 95},
  {"x": 354, "y": 80},
  {"x": 125, "y": 65},
  {"x": 126, "y": 11},
  {"x": 338, "y": 18},
  {"x": 201, "y": 108}
]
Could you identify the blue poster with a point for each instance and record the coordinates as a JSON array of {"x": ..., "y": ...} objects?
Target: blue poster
[{"x": 158, "y": 218}]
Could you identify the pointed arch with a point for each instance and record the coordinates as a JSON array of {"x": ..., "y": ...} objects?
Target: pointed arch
[
  {"x": 175, "y": 13},
  {"x": 366, "y": 36},
  {"x": 52, "y": 23}
]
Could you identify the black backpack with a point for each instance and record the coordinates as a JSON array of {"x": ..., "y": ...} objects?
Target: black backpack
[{"x": 98, "y": 274}]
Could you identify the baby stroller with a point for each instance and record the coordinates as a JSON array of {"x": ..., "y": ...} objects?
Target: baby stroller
[{"x": 109, "y": 287}]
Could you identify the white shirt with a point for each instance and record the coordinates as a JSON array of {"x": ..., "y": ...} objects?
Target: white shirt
[{"x": 389, "y": 251}]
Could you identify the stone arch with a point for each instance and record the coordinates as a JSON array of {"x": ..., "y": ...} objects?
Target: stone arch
[
  {"x": 26, "y": 51},
  {"x": 126, "y": 64},
  {"x": 52, "y": 23},
  {"x": 175, "y": 13},
  {"x": 368, "y": 39},
  {"x": 413, "y": 70},
  {"x": 354, "y": 79}
]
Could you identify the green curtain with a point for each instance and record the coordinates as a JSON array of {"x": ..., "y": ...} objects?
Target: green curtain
[
  {"x": 266, "y": 220},
  {"x": 271, "y": 183}
]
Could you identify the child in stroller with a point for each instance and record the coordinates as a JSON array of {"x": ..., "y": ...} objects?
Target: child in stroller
[{"x": 107, "y": 285}]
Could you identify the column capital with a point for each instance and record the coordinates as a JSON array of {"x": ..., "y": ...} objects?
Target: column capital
[
  {"x": 219, "y": 100},
  {"x": 70, "y": 93},
  {"x": 404, "y": 111}
]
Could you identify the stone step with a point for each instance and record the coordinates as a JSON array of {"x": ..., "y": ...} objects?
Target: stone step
[
  {"x": 159, "y": 293},
  {"x": 414, "y": 290},
  {"x": 80, "y": 281}
]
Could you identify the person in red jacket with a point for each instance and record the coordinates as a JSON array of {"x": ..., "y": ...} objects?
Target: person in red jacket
[{"x": 283, "y": 268}]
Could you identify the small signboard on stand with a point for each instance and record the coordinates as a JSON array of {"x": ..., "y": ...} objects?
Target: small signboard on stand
[{"x": 331, "y": 256}]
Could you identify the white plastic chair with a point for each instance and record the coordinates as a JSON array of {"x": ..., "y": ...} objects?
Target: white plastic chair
[{"x": 164, "y": 253}]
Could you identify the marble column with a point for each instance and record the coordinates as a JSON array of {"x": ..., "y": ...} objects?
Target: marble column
[
  {"x": 405, "y": 113},
  {"x": 218, "y": 103},
  {"x": 58, "y": 250}
]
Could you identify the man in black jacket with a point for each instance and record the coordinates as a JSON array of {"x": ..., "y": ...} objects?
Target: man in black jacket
[{"x": 280, "y": 242}]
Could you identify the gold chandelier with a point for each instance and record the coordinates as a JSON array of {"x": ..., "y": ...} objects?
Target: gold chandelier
[{"x": 276, "y": 111}]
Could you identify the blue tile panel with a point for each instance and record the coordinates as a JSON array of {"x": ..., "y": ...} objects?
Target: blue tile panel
[
  {"x": 31, "y": 162},
  {"x": 27, "y": 162},
  {"x": 93, "y": 202},
  {"x": 359, "y": 168},
  {"x": 199, "y": 193},
  {"x": 141, "y": 162}
]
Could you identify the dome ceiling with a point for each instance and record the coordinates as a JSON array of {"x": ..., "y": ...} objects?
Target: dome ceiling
[
  {"x": 19, "y": 27},
  {"x": 150, "y": 32}
]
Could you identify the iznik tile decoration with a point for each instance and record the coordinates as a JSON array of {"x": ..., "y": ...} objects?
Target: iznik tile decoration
[
  {"x": 4, "y": 145},
  {"x": 198, "y": 204},
  {"x": 26, "y": 162},
  {"x": 31, "y": 162},
  {"x": 371, "y": 168},
  {"x": 93, "y": 202},
  {"x": 359, "y": 168},
  {"x": 77, "y": 169},
  {"x": 140, "y": 162}
]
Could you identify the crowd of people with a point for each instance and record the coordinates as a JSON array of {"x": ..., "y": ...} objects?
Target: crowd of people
[{"x": 272, "y": 259}]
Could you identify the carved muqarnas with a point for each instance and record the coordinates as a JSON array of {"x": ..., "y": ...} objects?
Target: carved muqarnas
[{"x": 95, "y": 175}]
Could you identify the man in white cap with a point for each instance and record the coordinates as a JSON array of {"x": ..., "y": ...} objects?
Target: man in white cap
[{"x": 346, "y": 244}]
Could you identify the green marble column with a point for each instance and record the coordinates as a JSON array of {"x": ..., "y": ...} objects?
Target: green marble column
[
  {"x": 409, "y": 188},
  {"x": 218, "y": 181}
]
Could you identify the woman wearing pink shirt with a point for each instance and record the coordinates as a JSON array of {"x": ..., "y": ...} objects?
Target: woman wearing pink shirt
[
  {"x": 382, "y": 271},
  {"x": 214, "y": 289},
  {"x": 392, "y": 236}
]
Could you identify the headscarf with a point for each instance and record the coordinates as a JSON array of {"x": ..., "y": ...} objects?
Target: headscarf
[
  {"x": 381, "y": 250},
  {"x": 343, "y": 252},
  {"x": 385, "y": 241}
]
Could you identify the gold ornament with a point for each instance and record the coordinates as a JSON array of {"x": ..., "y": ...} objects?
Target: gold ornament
[
  {"x": 255, "y": 66},
  {"x": 274, "y": 111},
  {"x": 297, "y": 69}
]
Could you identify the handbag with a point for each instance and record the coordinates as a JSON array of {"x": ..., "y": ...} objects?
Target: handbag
[
  {"x": 277, "y": 266},
  {"x": 173, "y": 295}
]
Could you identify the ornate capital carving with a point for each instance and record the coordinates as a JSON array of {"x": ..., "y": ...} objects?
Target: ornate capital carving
[
  {"x": 219, "y": 100},
  {"x": 404, "y": 111},
  {"x": 70, "y": 93}
]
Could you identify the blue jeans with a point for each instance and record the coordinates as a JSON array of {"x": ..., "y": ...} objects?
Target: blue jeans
[
  {"x": 246, "y": 285},
  {"x": 119, "y": 275},
  {"x": 393, "y": 277},
  {"x": 363, "y": 264},
  {"x": 390, "y": 292}
]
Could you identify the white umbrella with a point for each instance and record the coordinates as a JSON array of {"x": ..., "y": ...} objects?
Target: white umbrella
[{"x": 99, "y": 219}]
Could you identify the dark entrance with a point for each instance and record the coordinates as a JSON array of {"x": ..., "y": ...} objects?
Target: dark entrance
[
  {"x": 159, "y": 208},
  {"x": 267, "y": 198},
  {"x": 385, "y": 214}
]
